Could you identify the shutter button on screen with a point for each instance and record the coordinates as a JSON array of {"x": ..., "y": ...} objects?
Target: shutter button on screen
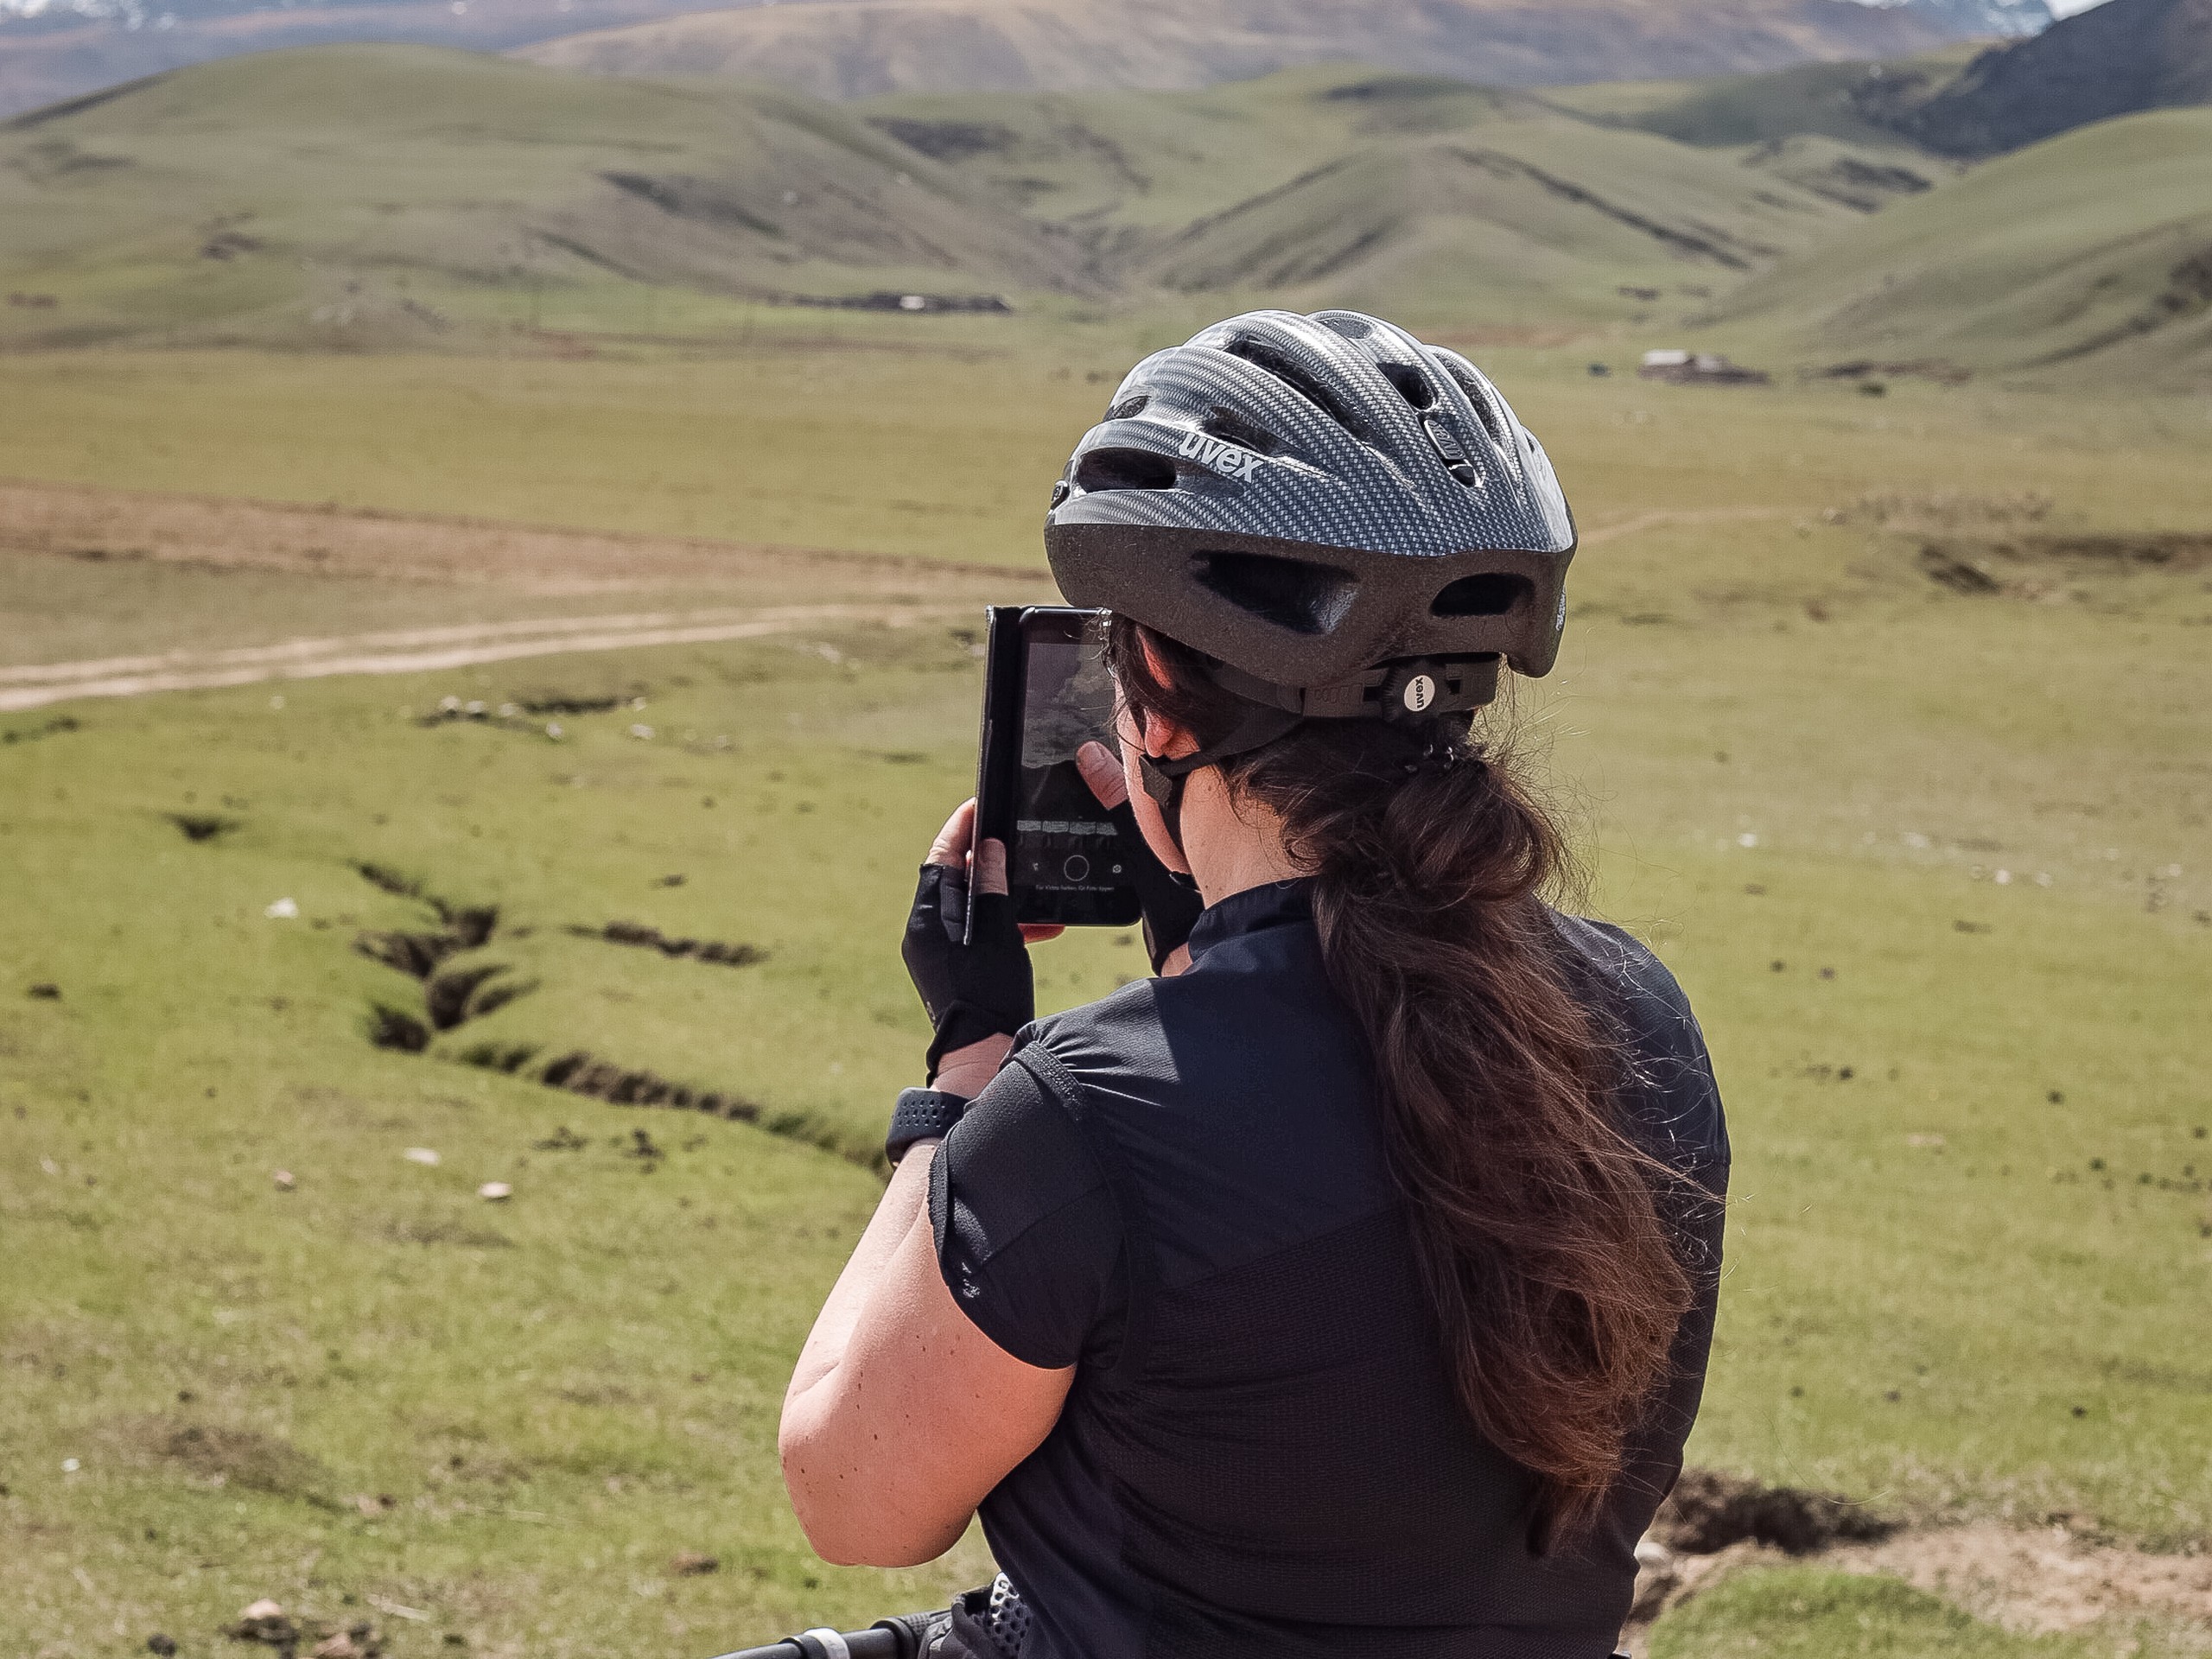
[{"x": 1077, "y": 868}]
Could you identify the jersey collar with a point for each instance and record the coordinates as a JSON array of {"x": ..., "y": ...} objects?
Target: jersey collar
[{"x": 1272, "y": 904}]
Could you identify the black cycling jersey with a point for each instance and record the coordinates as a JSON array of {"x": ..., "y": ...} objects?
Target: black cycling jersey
[{"x": 1182, "y": 1192}]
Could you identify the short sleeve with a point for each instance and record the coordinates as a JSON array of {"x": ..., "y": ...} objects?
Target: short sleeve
[{"x": 1027, "y": 1235}]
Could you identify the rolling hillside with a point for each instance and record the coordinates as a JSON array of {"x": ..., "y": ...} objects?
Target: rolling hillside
[
  {"x": 372, "y": 195},
  {"x": 369, "y": 197},
  {"x": 2091, "y": 253},
  {"x": 858, "y": 49},
  {"x": 379, "y": 195},
  {"x": 1408, "y": 193}
]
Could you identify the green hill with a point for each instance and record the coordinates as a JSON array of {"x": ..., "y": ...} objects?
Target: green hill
[
  {"x": 1411, "y": 193},
  {"x": 1856, "y": 102},
  {"x": 2092, "y": 251},
  {"x": 378, "y": 195},
  {"x": 372, "y": 194}
]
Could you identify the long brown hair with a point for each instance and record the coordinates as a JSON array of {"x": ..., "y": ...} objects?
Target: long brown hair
[{"x": 1538, "y": 1224}]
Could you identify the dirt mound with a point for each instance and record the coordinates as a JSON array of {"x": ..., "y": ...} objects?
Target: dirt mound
[
  {"x": 225, "y": 1454},
  {"x": 1708, "y": 1511}
]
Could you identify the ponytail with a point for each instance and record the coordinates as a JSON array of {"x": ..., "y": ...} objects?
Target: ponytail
[{"x": 1553, "y": 1277}]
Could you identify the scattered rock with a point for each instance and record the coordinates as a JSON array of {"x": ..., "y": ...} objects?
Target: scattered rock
[
  {"x": 425, "y": 1155},
  {"x": 1707, "y": 1511},
  {"x": 358, "y": 1640},
  {"x": 284, "y": 909},
  {"x": 285, "y": 1180},
  {"x": 265, "y": 1621},
  {"x": 690, "y": 1564},
  {"x": 495, "y": 1191},
  {"x": 1658, "y": 1575}
]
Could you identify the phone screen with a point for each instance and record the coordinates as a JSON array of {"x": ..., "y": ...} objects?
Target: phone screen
[
  {"x": 1064, "y": 842},
  {"x": 1048, "y": 693}
]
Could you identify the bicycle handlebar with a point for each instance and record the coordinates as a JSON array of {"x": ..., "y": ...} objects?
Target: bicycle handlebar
[{"x": 889, "y": 1638}]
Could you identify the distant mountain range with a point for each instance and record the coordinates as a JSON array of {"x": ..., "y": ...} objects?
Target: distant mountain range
[
  {"x": 2123, "y": 57},
  {"x": 53, "y": 50},
  {"x": 862, "y": 48}
]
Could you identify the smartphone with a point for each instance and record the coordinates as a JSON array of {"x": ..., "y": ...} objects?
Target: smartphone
[{"x": 1046, "y": 692}]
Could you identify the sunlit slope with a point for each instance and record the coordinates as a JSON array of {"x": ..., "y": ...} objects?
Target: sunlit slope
[
  {"x": 381, "y": 193},
  {"x": 1534, "y": 218},
  {"x": 376, "y": 196},
  {"x": 1406, "y": 192},
  {"x": 1859, "y": 102},
  {"x": 1154, "y": 162},
  {"x": 2091, "y": 253}
]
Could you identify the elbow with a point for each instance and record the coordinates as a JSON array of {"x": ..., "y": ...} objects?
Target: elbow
[{"x": 848, "y": 1517}]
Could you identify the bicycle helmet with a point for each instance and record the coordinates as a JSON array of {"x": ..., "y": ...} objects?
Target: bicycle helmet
[{"x": 1352, "y": 523}]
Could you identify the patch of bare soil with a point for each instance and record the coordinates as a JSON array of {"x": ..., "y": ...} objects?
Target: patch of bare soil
[
  {"x": 2046, "y": 1580},
  {"x": 99, "y": 525},
  {"x": 2036, "y": 1581},
  {"x": 224, "y": 1455}
]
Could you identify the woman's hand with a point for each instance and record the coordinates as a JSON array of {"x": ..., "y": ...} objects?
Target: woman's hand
[
  {"x": 978, "y": 995},
  {"x": 1171, "y": 907}
]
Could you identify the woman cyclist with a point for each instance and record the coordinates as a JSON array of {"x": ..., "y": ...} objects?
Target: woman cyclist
[{"x": 1346, "y": 1289}]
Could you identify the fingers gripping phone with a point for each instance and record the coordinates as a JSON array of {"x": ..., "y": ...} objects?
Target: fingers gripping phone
[{"x": 1046, "y": 692}]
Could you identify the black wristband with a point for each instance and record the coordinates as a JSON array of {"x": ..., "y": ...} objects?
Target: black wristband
[{"x": 920, "y": 1115}]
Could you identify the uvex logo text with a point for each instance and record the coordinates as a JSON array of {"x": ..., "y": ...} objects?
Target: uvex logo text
[{"x": 1224, "y": 458}]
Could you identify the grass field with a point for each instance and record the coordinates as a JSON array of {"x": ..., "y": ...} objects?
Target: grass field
[{"x": 1930, "y": 851}]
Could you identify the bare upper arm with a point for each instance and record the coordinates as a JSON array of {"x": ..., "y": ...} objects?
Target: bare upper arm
[{"x": 888, "y": 1451}]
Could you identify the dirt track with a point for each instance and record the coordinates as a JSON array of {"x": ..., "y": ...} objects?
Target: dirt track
[
  {"x": 751, "y": 591},
  {"x": 421, "y": 650},
  {"x": 123, "y": 526}
]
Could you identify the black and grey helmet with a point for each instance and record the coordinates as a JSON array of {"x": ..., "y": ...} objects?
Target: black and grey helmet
[{"x": 1351, "y": 522}]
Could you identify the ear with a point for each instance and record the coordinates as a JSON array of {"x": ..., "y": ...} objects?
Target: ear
[{"x": 1162, "y": 738}]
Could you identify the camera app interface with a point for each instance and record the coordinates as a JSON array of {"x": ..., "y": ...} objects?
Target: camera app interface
[{"x": 1064, "y": 842}]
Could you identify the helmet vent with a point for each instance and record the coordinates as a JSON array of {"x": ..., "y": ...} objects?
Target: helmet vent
[
  {"x": 1492, "y": 594},
  {"x": 1480, "y": 395},
  {"x": 1125, "y": 469},
  {"x": 1350, "y": 324},
  {"x": 1227, "y": 423},
  {"x": 1271, "y": 361},
  {"x": 1413, "y": 385},
  {"x": 1289, "y": 592},
  {"x": 1129, "y": 408}
]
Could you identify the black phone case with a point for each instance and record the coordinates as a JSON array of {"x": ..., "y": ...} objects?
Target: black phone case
[{"x": 998, "y": 777}]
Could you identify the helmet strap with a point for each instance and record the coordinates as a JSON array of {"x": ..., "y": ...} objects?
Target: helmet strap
[{"x": 1164, "y": 779}]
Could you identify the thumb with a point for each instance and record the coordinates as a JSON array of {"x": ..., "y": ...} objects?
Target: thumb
[
  {"x": 1103, "y": 773},
  {"x": 990, "y": 868}
]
